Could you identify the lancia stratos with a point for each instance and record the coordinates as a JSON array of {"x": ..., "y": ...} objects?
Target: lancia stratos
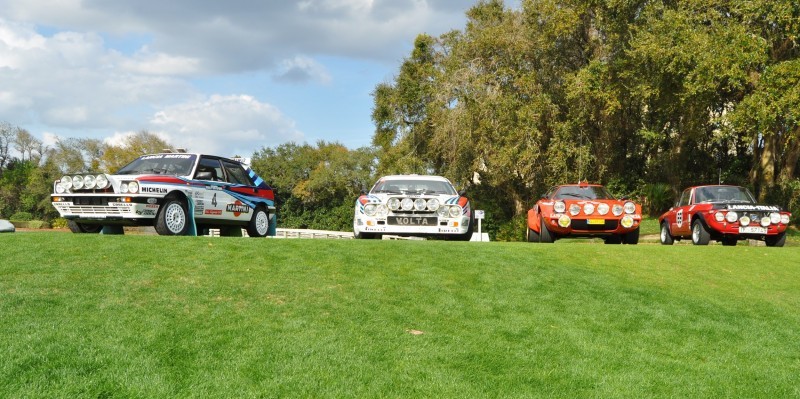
[
  {"x": 583, "y": 210},
  {"x": 723, "y": 213},
  {"x": 413, "y": 205},
  {"x": 176, "y": 193}
]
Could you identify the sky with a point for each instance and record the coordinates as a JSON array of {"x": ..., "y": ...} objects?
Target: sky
[{"x": 225, "y": 78}]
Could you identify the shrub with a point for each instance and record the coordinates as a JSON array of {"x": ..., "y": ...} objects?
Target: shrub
[
  {"x": 657, "y": 198},
  {"x": 59, "y": 223},
  {"x": 21, "y": 217}
]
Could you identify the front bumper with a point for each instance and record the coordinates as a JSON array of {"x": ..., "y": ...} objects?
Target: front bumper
[
  {"x": 588, "y": 226},
  {"x": 134, "y": 210},
  {"x": 412, "y": 225}
]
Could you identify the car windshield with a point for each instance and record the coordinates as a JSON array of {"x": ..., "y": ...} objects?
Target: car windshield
[
  {"x": 413, "y": 187},
  {"x": 578, "y": 192},
  {"x": 162, "y": 164},
  {"x": 723, "y": 194}
]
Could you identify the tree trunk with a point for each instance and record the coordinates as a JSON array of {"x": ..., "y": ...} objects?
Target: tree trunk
[
  {"x": 767, "y": 167},
  {"x": 792, "y": 155}
]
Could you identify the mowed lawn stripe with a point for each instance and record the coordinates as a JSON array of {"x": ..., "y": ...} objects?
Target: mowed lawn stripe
[{"x": 148, "y": 316}]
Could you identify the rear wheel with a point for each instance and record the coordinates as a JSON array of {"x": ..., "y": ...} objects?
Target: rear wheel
[
  {"x": 700, "y": 235},
  {"x": 776, "y": 241},
  {"x": 81, "y": 228},
  {"x": 259, "y": 224},
  {"x": 172, "y": 220},
  {"x": 666, "y": 236}
]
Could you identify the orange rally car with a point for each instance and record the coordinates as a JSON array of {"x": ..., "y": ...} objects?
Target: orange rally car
[{"x": 584, "y": 210}]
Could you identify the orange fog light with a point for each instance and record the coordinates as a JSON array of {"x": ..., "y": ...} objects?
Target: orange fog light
[{"x": 370, "y": 222}]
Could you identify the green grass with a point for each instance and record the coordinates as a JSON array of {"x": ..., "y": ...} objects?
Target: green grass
[{"x": 149, "y": 316}]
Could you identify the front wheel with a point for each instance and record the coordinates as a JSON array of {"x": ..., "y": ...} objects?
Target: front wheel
[
  {"x": 776, "y": 241},
  {"x": 700, "y": 235},
  {"x": 545, "y": 235},
  {"x": 532, "y": 235},
  {"x": 666, "y": 236},
  {"x": 80, "y": 228},
  {"x": 172, "y": 220},
  {"x": 631, "y": 238},
  {"x": 259, "y": 224}
]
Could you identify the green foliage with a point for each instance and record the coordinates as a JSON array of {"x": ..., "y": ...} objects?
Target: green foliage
[
  {"x": 58, "y": 223},
  {"x": 21, "y": 217},
  {"x": 657, "y": 198}
]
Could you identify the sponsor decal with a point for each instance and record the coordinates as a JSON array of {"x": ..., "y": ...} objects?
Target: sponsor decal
[
  {"x": 679, "y": 218},
  {"x": 214, "y": 200},
  {"x": 151, "y": 200},
  {"x": 146, "y": 212},
  {"x": 168, "y": 156},
  {"x": 120, "y": 204},
  {"x": 767, "y": 208},
  {"x": 153, "y": 190},
  {"x": 151, "y": 206},
  {"x": 215, "y": 212},
  {"x": 237, "y": 208}
]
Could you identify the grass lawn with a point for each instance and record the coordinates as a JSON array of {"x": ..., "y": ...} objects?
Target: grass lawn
[{"x": 149, "y": 316}]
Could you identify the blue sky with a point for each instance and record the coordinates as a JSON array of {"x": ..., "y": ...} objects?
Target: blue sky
[{"x": 221, "y": 77}]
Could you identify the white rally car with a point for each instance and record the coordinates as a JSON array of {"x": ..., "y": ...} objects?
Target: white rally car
[
  {"x": 177, "y": 193},
  {"x": 413, "y": 205}
]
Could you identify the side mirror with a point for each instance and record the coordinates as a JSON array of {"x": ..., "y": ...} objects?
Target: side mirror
[
  {"x": 203, "y": 176},
  {"x": 462, "y": 193}
]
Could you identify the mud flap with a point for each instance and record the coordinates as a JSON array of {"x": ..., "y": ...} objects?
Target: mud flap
[
  {"x": 112, "y": 230},
  {"x": 192, "y": 228}
]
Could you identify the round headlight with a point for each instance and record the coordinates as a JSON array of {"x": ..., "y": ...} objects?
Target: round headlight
[
  {"x": 133, "y": 187},
  {"x": 442, "y": 211},
  {"x": 382, "y": 211},
  {"x": 775, "y": 217},
  {"x": 394, "y": 204},
  {"x": 455, "y": 211},
  {"x": 765, "y": 221},
  {"x": 732, "y": 216},
  {"x": 123, "y": 188},
  {"x": 719, "y": 216},
  {"x": 785, "y": 219},
  {"x": 420, "y": 204},
  {"x": 89, "y": 181},
  {"x": 602, "y": 208},
  {"x": 627, "y": 221},
  {"x": 564, "y": 221},
  {"x": 66, "y": 182},
  {"x": 574, "y": 209},
  {"x": 588, "y": 209},
  {"x": 370, "y": 209},
  {"x": 630, "y": 207},
  {"x": 560, "y": 206},
  {"x": 744, "y": 221},
  {"x": 59, "y": 188},
  {"x": 616, "y": 210},
  {"x": 101, "y": 181},
  {"x": 407, "y": 204},
  {"x": 433, "y": 204},
  {"x": 77, "y": 182}
]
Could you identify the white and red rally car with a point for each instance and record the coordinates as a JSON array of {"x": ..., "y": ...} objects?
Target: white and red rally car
[
  {"x": 413, "y": 205},
  {"x": 177, "y": 193}
]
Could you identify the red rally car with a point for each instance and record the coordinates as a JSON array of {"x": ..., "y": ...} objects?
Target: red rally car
[
  {"x": 584, "y": 210},
  {"x": 723, "y": 213}
]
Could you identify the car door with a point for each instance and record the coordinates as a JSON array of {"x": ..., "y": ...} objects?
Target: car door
[
  {"x": 681, "y": 225},
  {"x": 211, "y": 199},
  {"x": 239, "y": 185}
]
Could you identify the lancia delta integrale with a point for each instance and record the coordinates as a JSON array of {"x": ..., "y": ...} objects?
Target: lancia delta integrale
[{"x": 165, "y": 191}]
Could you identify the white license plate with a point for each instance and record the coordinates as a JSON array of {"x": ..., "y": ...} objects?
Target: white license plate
[{"x": 752, "y": 230}]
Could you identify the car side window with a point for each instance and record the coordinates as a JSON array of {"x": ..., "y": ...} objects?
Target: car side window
[
  {"x": 685, "y": 198},
  {"x": 236, "y": 174},
  {"x": 212, "y": 166}
]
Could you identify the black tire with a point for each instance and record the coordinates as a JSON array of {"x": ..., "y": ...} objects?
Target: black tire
[
  {"x": 468, "y": 235},
  {"x": 259, "y": 223},
  {"x": 700, "y": 235},
  {"x": 81, "y": 228},
  {"x": 631, "y": 238},
  {"x": 172, "y": 219},
  {"x": 364, "y": 236},
  {"x": 729, "y": 241},
  {"x": 545, "y": 235},
  {"x": 666, "y": 236},
  {"x": 532, "y": 235},
  {"x": 776, "y": 241},
  {"x": 613, "y": 240}
]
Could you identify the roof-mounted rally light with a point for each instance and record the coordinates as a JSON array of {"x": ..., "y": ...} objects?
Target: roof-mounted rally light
[{"x": 174, "y": 151}]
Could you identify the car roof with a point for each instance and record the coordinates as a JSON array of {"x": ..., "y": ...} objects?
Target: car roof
[
  {"x": 414, "y": 177},
  {"x": 197, "y": 154},
  {"x": 580, "y": 185},
  {"x": 715, "y": 185}
]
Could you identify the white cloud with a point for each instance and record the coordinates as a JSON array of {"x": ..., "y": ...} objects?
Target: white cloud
[
  {"x": 225, "y": 125},
  {"x": 301, "y": 69}
]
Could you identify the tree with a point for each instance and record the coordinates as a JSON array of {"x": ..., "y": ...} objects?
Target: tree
[{"x": 115, "y": 156}]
